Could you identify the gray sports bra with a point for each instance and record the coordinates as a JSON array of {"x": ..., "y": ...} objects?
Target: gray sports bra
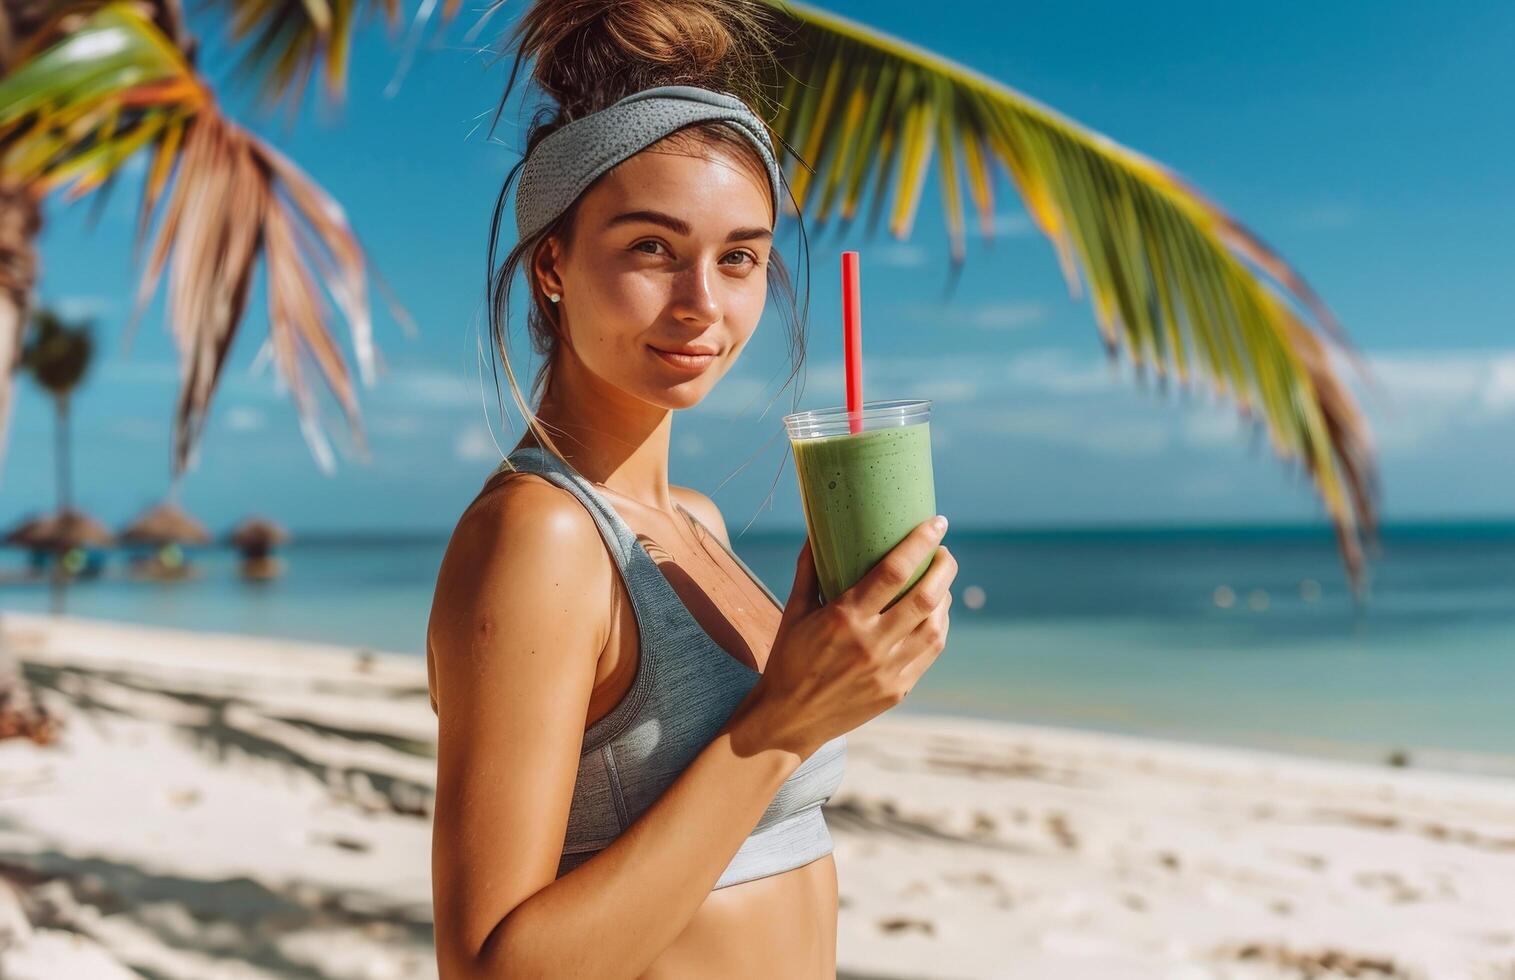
[{"x": 685, "y": 689}]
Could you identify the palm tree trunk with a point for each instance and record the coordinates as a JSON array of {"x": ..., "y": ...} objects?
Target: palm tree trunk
[
  {"x": 20, "y": 223},
  {"x": 62, "y": 452},
  {"x": 65, "y": 497}
]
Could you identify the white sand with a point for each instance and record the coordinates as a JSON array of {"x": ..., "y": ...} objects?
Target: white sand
[{"x": 230, "y": 807}]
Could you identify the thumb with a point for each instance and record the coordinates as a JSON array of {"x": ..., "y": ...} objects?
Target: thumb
[{"x": 804, "y": 597}]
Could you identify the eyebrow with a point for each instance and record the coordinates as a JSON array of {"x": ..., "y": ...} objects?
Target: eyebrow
[{"x": 681, "y": 227}]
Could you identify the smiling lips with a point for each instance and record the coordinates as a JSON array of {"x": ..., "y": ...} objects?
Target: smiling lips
[{"x": 688, "y": 358}]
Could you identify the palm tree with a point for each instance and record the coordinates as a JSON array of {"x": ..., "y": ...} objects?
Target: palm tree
[
  {"x": 84, "y": 86},
  {"x": 20, "y": 222},
  {"x": 57, "y": 356},
  {"x": 1177, "y": 285}
]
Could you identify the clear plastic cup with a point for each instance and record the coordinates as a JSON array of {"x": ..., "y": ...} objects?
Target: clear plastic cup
[{"x": 862, "y": 492}]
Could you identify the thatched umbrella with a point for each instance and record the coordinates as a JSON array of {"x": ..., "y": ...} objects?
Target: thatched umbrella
[
  {"x": 23, "y": 533},
  {"x": 67, "y": 534},
  {"x": 68, "y": 528},
  {"x": 164, "y": 528},
  {"x": 167, "y": 523},
  {"x": 255, "y": 538}
]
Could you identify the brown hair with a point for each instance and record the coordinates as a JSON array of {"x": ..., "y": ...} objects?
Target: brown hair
[{"x": 589, "y": 54}]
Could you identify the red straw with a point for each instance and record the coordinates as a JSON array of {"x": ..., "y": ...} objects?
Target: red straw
[{"x": 852, "y": 326}]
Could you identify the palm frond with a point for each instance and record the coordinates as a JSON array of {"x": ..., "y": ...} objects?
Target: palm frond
[
  {"x": 211, "y": 249},
  {"x": 283, "y": 41},
  {"x": 286, "y": 41},
  {"x": 75, "y": 110},
  {"x": 1177, "y": 284},
  {"x": 113, "y": 86}
]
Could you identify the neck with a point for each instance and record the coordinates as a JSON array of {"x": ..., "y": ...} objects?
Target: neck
[{"x": 611, "y": 437}]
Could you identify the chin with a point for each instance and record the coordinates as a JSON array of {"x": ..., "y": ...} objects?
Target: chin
[{"x": 682, "y": 396}]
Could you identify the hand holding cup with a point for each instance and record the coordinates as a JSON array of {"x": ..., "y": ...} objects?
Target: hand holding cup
[{"x": 835, "y": 666}]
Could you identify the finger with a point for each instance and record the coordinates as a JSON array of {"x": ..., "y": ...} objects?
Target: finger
[
  {"x": 914, "y": 606},
  {"x": 884, "y": 580},
  {"x": 919, "y": 650},
  {"x": 804, "y": 594}
]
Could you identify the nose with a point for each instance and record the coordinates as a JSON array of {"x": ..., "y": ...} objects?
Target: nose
[{"x": 695, "y": 301}]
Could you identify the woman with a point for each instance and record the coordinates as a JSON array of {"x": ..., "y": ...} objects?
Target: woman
[{"x": 635, "y": 735}]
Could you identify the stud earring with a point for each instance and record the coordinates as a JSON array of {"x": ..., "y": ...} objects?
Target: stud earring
[{"x": 554, "y": 296}]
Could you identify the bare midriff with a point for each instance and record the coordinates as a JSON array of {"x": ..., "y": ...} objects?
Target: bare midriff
[{"x": 783, "y": 925}]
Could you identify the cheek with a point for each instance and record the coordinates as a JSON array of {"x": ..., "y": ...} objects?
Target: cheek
[
  {"x": 745, "y": 308},
  {"x": 620, "y": 306},
  {"x": 635, "y": 295}
]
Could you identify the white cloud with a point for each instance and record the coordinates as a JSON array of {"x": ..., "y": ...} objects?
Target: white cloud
[
  {"x": 398, "y": 426},
  {"x": 1005, "y": 316},
  {"x": 474, "y": 444},
  {"x": 1499, "y": 393},
  {"x": 140, "y": 372},
  {"x": 945, "y": 377},
  {"x": 1013, "y": 224},
  {"x": 899, "y": 255},
  {"x": 138, "y": 429},
  {"x": 1008, "y": 315},
  {"x": 240, "y": 418},
  {"x": 824, "y": 380},
  {"x": 1062, "y": 372},
  {"x": 438, "y": 388},
  {"x": 1220, "y": 425},
  {"x": 1210, "y": 486},
  {"x": 944, "y": 389},
  {"x": 737, "y": 396},
  {"x": 1088, "y": 401},
  {"x": 1415, "y": 398},
  {"x": 1426, "y": 378},
  {"x": 1326, "y": 216},
  {"x": 961, "y": 377},
  {"x": 84, "y": 307},
  {"x": 1106, "y": 436}
]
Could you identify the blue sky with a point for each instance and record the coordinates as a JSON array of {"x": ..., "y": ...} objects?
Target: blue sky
[{"x": 1356, "y": 139}]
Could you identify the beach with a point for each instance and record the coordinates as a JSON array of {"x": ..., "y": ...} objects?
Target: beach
[{"x": 230, "y": 806}]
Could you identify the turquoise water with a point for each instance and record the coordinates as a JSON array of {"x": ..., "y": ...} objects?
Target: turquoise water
[{"x": 1113, "y": 630}]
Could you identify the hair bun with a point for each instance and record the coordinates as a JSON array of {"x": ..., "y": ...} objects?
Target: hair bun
[{"x": 587, "y": 54}]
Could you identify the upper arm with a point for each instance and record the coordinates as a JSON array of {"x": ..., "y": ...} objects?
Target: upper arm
[
  {"x": 520, "y": 616},
  {"x": 703, "y": 508}
]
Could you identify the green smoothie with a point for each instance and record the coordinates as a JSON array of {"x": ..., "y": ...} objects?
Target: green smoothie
[{"x": 862, "y": 494}]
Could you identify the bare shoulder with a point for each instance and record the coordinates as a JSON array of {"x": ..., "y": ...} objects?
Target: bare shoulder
[
  {"x": 523, "y": 546},
  {"x": 703, "y": 508},
  {"x": 519, "y": 620}
]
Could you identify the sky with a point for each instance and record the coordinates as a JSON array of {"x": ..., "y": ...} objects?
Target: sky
[{"x": 1366, "y": 143}]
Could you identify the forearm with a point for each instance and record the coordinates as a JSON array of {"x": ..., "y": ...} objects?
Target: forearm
[{"x": 613, "y": 915}]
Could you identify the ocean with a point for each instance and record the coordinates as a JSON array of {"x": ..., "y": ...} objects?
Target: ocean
[{"x": 1243, "y": 636}]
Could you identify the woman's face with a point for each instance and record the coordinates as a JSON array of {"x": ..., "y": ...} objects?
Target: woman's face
[{"x": 669, "y": 253}]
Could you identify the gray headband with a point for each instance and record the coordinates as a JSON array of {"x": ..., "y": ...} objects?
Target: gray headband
[{"x": 569, "y": 159}]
